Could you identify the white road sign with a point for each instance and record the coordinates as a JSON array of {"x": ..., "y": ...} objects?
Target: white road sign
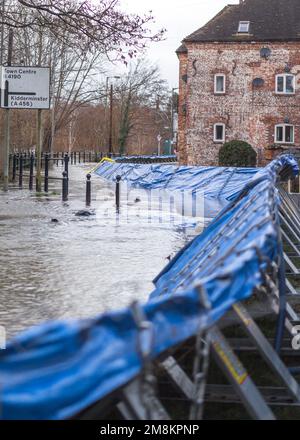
[{"x": 25, "y": 87}]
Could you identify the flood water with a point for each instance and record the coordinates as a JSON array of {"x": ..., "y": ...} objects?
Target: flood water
[{"x": 77, "y": 266}]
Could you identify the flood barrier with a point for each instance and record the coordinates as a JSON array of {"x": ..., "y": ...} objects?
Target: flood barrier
[{"x": 59, "y": 369}]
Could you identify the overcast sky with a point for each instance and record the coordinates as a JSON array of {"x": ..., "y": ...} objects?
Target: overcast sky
[{"x": 180, "y": 18}]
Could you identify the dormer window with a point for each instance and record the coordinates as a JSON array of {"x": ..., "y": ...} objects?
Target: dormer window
[{"x": 244, "y": 27}]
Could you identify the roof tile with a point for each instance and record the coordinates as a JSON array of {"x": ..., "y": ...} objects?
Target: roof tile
[{"x": 270, "y": 20}]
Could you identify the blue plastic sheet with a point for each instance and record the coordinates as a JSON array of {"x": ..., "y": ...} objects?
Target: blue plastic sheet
[
  {"x": 143, "y": 158},
  {"x": 58, "y": 369},
  {"x": 215, "y": 183}
]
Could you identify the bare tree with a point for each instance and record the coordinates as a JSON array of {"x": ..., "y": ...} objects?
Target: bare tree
[
  {"x": 73, "y": 72},
  {"x": 100, "y": 25},
  {"x": 141, "y": 88}
]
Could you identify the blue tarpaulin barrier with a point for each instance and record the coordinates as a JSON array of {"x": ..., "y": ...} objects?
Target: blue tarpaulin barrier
[
  {"x": 141, "y": 159},
  {"x": 215, "y": 183},
  {"x": 56, "y": 370}
]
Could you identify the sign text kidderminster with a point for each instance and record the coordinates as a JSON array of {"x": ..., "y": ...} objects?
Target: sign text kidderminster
[{"x": 25, "y": 87}]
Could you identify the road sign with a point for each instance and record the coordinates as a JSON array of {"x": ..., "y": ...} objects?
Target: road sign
[{"x": 25, "y": 87}]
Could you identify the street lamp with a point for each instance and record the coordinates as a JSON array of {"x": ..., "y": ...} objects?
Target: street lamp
[
  {"x": 110, "y": 145},
  {"x": 173, "y": 114}
]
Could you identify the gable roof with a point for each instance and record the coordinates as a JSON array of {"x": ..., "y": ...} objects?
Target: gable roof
[
  {"x": 182, "y": 49},
  {"x": 270, "y": 20}
]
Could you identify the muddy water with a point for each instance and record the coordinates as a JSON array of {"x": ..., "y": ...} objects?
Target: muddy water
[{"x": 76, "y": 266}]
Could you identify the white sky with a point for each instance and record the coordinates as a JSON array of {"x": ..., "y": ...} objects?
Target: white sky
[{"x": 180, "y": 18}]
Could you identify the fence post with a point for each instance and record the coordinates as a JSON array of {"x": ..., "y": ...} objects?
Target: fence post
[
  {"x": 64, "y": 186},
  {"x": 31, "y": 172},
  {"x": 88, "y": 190},
  {"x": 21, "y": 171},
  {"x": 14, "y": 167},
  {"x": 79, "y": 157},
  {"x": 118, "y": 179},
  {"x": 46, "y": 181}
]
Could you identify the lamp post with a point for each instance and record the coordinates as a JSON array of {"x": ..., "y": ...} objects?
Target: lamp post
[
  {"x": 172, "y": 114},
  {"x": 111, "y": 94}
]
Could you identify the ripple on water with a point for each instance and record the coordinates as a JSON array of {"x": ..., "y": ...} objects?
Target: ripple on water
[{"x": 76, "y": 267}]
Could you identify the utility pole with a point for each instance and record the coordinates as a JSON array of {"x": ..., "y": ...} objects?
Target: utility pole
[
  {"x": 110, "y": 145},
  {"x": 110, "y": 122},
  {"x": 39, "y": 131},
  {"x": 7, "y": 118},
  {"x": 2, "y": 32}
]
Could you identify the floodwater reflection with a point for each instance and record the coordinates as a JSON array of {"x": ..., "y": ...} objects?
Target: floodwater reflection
[{"x": 74, "y": 266}]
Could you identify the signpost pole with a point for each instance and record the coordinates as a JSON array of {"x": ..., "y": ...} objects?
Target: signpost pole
[
  {"x": 7, "y": 122},
  {"x": 39, "y": 151}
]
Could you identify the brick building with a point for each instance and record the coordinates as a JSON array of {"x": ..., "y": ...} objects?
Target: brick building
[{"x": 239, "y": 79}]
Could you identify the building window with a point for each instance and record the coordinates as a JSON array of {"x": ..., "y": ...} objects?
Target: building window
[
  {"x": 220, "y": 83},
  {"x": 285, "y": 84},
  {"x": 219, "y": 133},
  {"x": 284, "y": 134},
  {"x": 244, "y": 27}
]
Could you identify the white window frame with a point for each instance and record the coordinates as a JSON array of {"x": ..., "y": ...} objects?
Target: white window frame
[
  {"x": 215, "y": 133},
  {"x": 285, "y": 92},
  {"x": 284, "y": 127},
  {"x": 224, "y": 83},
  {"x": 244, "y": 23}
]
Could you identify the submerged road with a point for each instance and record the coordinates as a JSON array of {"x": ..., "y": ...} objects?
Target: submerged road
[{"x": 76, "y": 266}]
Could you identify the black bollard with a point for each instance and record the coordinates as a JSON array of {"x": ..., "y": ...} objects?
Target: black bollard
[
  {"x": 46, "y": 181},
  {"x": 21, "y": 171},
  {"x": 14, "y": 170},
  {"x": 79, "y": 157},
  {"x": 75, "y": 158},
  {"x": 118, "y": 179},
  {"x": 66, "y": 161},
  {"x": 88, "y": 197},
  {"x": 64, "y": 187},
  {"x": 31, "y": 172},
  {"x": 84, "y": 157}
]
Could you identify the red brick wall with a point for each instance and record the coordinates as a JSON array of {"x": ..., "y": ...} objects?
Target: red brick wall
[{"x": 250, "y": 113}]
